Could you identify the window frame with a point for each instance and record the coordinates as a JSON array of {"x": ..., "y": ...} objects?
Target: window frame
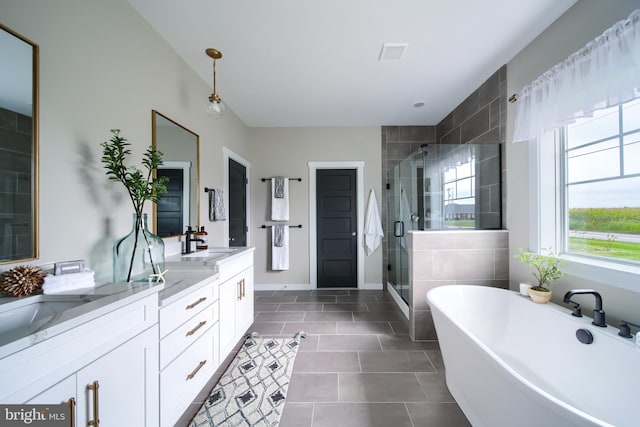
[{"x": 549, "y": 216}]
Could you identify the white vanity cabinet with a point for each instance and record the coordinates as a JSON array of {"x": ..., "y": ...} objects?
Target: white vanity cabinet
[
  {"x": 114, "y": 388},
  {"x": 108, "y": 365},
  {"x": 236, "y": 300},
  {"x": 188, "y": 348}
]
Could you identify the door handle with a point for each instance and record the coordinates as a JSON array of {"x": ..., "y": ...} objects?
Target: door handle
[{"x": 398, "y": 229}]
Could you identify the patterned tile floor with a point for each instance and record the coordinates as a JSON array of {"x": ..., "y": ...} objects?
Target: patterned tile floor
[{"x": 357, "y": 367}]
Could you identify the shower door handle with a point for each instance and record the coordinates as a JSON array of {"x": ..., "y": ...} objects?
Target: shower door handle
[{"x": 398, "y": 229}]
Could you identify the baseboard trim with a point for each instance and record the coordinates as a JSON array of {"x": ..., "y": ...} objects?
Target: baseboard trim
[
  {"x": 283, "y": 287},
  {"x": 307, "y": 287}
]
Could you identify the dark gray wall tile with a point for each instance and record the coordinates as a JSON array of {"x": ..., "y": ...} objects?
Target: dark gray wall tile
[
  {"x": 475, "y": 125},
  {"x": 452, "y": 137}
]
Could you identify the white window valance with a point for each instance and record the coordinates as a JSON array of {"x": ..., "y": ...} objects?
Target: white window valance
[{"x": 604, "y": 73}]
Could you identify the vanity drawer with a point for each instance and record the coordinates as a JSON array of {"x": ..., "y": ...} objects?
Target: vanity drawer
[
  {"x": 187, "y": 333},
  {"x": 229, "y": 268},
  {"x": 183, "y": 379},
  {"x": 178, "y": 312}
]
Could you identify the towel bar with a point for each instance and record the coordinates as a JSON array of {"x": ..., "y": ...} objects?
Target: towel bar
[
  {"x": 291, "y": 226},
  {"x": 290, "y": 179}
]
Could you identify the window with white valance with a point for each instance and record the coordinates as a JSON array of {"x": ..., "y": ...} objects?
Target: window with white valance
[
  {"x": 582, "y": 121},
  {"x": 604, "y": 73}
]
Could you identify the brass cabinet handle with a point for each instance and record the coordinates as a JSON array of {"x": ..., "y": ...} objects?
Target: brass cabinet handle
[
  {"x": 96, "y": 418},
  {"x": 198, "y": 326},
  {"x": 72, "y": 412},
  {"x": 239, "y": 290},
  {"x": 242, "y": 288},
  {"x": 195, "y": 371},
  {"x": 190, "y": 306}
]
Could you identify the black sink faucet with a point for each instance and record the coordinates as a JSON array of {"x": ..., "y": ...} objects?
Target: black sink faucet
[
  {"x": 598, "y": 313},
  {"x": 188, "y": 239}
]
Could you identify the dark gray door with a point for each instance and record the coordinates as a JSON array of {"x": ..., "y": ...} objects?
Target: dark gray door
[
  {"x": 336, "y": 216},
  {"x": 169, "y": 210},
  {"x": 237, "y": 204}
]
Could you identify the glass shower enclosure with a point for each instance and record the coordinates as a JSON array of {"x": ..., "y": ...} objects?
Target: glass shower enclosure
[{"x": 438, "y": 187}]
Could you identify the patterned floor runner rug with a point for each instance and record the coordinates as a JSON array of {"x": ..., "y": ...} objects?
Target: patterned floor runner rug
[{"x": 253, "y": 389}]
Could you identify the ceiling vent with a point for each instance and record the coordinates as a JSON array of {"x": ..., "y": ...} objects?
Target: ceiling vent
[{"x": 392, "y": 51}]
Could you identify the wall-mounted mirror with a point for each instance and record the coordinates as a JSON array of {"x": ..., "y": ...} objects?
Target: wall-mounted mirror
[
  {"x": 18, "y": 147},
  {"x": 179, "y": 206}
]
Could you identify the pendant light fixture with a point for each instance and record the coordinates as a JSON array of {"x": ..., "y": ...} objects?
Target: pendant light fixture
[{"x": 215, "y": 107}]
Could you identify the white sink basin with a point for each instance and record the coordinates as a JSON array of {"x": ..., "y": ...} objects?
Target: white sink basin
[
  {"x": 211, "y": 253},
  {"x": 28, "y": 310},
  {"x": 207, "y": 255}
]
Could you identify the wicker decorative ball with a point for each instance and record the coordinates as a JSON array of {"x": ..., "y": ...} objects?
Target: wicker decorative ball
[{"x": 22, "y": 280}]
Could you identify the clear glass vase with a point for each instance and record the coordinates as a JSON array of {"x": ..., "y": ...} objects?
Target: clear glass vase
[{"x": 138, "y": 254}]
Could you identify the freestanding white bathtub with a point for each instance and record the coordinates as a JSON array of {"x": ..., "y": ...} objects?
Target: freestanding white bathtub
[{"x": 512, "y": 363}]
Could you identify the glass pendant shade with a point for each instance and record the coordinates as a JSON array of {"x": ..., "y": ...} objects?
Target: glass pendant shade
[{"x": 215, "y": 108}]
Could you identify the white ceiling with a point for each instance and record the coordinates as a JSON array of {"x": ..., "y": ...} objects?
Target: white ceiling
[{"x": 315, "y": 63}]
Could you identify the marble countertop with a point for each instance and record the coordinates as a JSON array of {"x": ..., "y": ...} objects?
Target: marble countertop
[
  {"x": 185, "y": 273},
  {"x": 44, "y": 316},
  {"x": 80, "y": 308}
]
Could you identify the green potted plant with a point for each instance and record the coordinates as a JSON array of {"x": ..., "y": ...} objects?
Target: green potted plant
[
  {"x": 546, "y": 271},
  {"x": 140, "y": 252}
]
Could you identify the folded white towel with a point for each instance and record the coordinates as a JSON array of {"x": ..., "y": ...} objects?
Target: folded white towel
[
  {"x": 280, "y": 206},
  {"x": 373, "y": 233},
  {"x": 68, "y": 282},
  {"x": 280, "y": 254}
]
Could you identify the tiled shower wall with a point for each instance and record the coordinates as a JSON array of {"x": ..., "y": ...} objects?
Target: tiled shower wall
[
  {"x": 440, "y": 258},
  {"x": 481, "y": 118},
  {"x": 15, "y": 185},
  {"x": 397, "y": 143}
]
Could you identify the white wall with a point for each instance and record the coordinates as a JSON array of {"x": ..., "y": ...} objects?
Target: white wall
[
  {"x": 286, "y": 152},
  {"x": 582, "y": 23},
  {"x": 103, "y": 67}
]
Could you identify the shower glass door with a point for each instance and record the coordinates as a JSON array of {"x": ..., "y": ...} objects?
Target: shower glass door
[
  {"x": 440, "y": 186},
  {"x": 404, "y": 207}
]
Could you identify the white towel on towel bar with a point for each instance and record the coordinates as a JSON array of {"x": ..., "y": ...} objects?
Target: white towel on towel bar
[
  {"x": 373, "y": 233},
  {"x": 280, "y": 254},
  {"x": 280, "y": 206}
]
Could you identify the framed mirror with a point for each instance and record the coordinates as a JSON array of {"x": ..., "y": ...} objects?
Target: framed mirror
[
  {"x": 18, "y": 147},
  {"x": 179, "y": 206}
]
